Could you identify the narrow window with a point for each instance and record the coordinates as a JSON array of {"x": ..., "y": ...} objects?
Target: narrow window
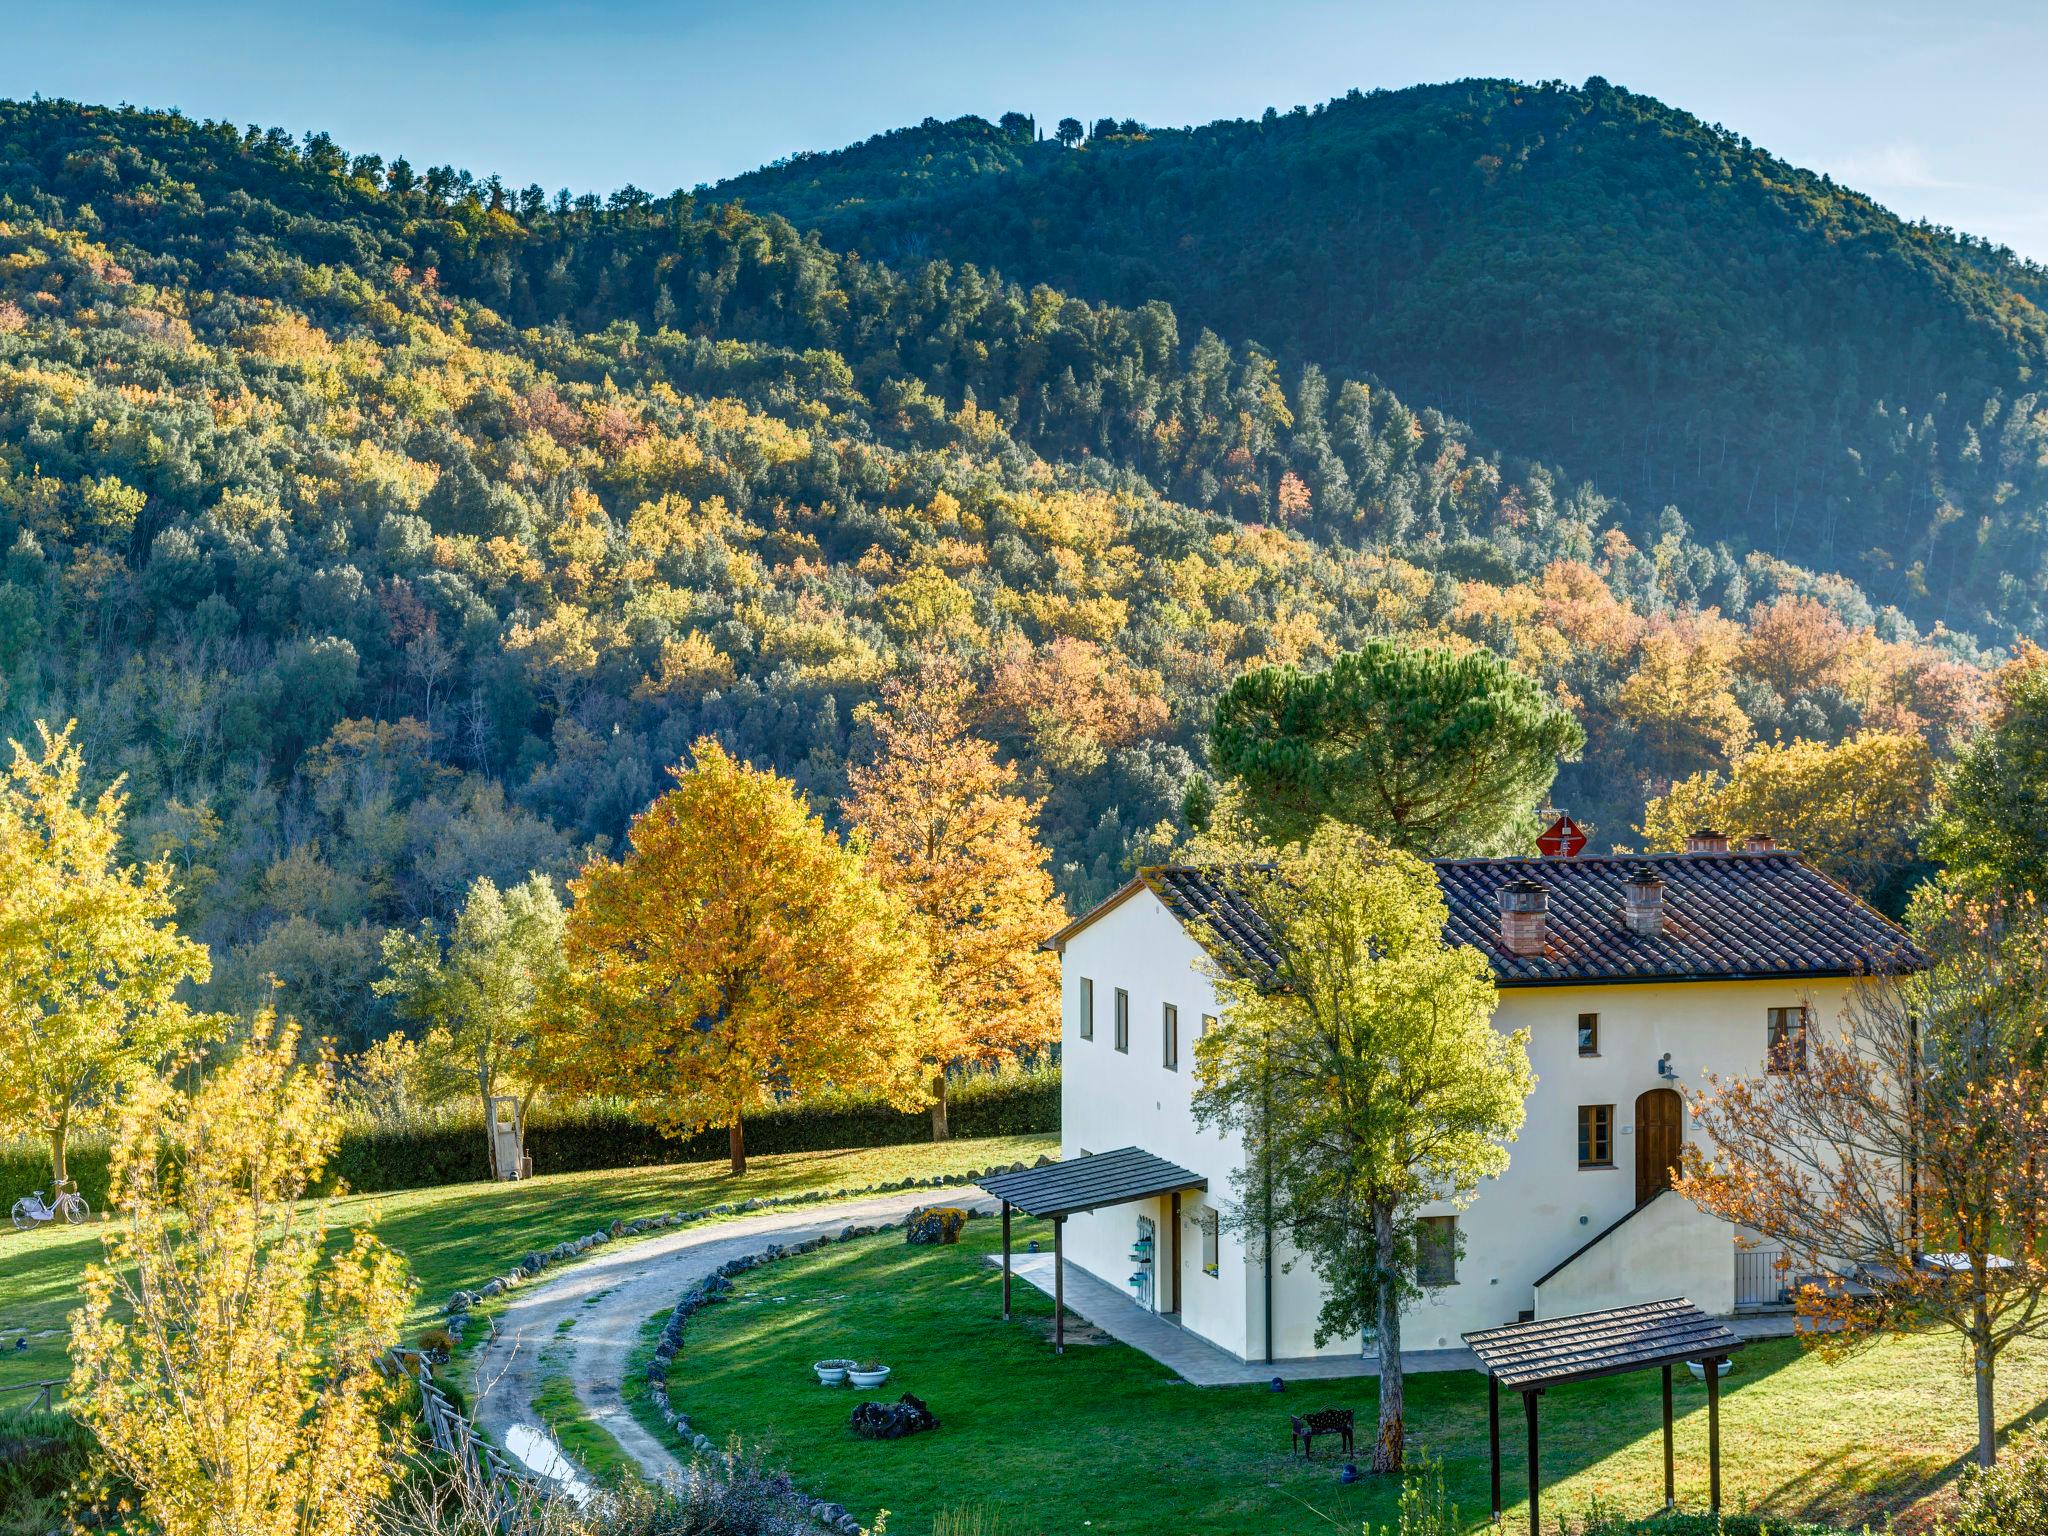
[
  {"x": 1169, "y": 1023},
  {"x": 1436, "y": 1251},
  {"x": 1208, "y": 1023},
  {"x": 1211, "y": 1264},
  {"x": 1596, "y": 1135},
  {"x": 1087, "y": 1009},
  {"x": 1589, "y": 1034},
  {"x": 1785, "y": 1044},
  {"x": 1123, "y": 1019}
]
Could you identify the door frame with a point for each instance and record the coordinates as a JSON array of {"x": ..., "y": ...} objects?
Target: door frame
[{"x": 1662, "y": 1098}]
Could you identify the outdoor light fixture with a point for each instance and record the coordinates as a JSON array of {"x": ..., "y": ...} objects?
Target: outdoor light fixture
[
  {"x": 1665, "y": 1070},
  {"x": 1276, "y": 1385}
]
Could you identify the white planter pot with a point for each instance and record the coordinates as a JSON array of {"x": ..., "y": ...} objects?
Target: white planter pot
[
  {"x": 867, "y": 1381},
  {"x": 832, "y": 1373},
  {"x": 1699, "y": 1370}
]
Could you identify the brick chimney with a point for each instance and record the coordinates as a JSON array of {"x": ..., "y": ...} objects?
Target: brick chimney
[
  {"x": 1758, "y": 843},
  {"x": 1642, "y": 902},
  {"x": 1706, "y": 840},
  {"x": 1525, "y": 918}
]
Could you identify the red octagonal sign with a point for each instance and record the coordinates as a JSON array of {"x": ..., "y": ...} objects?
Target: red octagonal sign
[{"x": 1564, "y": 840}]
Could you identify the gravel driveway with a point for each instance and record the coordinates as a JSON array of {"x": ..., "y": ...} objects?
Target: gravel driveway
[{"x": 609, "y": 1295}]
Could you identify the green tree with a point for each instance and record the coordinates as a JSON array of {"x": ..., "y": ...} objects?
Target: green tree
[
  {"x": 1364, "y": 1076},
  {"x": 1432, "y": 751},
  {"x": 1992, "y": 829},
  {"x": 91, "y": 958},
  {"x": 1069, "y": 131},
  {"x": 480, "y": 997}
]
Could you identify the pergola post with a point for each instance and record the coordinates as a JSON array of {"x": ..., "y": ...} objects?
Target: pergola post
[
  {"x": 1529, "y": 1408},
  {"x": 1670, "y": 1476},
  {"x": 1006, "y": 1265},
  {"x": 1059, "y": 1286},
  {"x": 1493, "y": 1436},
  {"x": 1714, "y": 1434}
]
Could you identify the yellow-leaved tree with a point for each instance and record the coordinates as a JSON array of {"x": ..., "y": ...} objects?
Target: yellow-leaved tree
[
  {"x": 946, "y": 830},
  {"x": 224, "y": 1355},
  {"x": 739, "y": 951},
  {"x": 90, "y": 956},
  {"x": 1855, "y": 808}
]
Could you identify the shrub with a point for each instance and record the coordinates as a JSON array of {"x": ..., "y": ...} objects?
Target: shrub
[
  {"x": 1705, "y": 1525},
  {"x": 48, "y": 1467},
  {"x": 2009, "y": 1500}
]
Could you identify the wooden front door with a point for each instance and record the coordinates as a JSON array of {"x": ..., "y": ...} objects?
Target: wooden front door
[{"x": 1660, "y": 1132}]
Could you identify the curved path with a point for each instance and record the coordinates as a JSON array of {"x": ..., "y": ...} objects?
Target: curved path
[{"x": 609, "y": 1295}]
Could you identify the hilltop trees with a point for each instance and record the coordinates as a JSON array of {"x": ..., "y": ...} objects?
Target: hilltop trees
[
  {"x": 225, "y": 1354},
  {"x": 90, "y": 955},
  {"x": 1430, "y": 750},
  {"x": 738, "y": 950},
  {"x": 1993, "y": 829},
  {"x": 479, "y": 999},
  {"x": 1365, "y": 1077},
  {"x": 945, "y": 830}
]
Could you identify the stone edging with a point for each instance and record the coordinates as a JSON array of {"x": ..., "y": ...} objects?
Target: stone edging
[
  {"x": 714, "y": 1288},
  {"x": 456, "y": 1312}
]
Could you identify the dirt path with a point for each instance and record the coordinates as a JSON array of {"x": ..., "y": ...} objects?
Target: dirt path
[{"x": 608, "y": 1296}]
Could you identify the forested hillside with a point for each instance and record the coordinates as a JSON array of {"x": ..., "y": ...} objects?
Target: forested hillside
[
  {"x": 1587, "y": 275},
  {"x": 390, "y": 528}
]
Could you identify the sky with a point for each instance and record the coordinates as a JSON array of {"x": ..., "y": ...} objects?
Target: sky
[{"x": 1935, "y": 113}]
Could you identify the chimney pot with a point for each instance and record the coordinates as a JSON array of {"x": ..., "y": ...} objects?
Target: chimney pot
[
  {"x": 1642, "y": 902},
  {"x": 1706, "y": 840},
  {"x": 1525, "y": 918},
  {"x": 1758, "y": 843}
]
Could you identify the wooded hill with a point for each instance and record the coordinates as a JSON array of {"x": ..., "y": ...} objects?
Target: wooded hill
[
  {"x": 389, "y": 528},
  {"x": 1588, "y": 276}
]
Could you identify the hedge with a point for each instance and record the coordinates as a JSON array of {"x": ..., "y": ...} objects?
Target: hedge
[
  {"x": 1706, "y": 1525},
  {"x": 379, "y": 1158}
]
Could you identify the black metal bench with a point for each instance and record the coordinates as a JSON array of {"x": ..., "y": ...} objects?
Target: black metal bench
[{"x": 1324, "y": 1421}]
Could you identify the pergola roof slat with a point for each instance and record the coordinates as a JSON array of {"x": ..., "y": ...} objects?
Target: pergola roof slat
[
  {"x": 1083, "y": 1183},
  {"x": 1605, "y": 1343}
]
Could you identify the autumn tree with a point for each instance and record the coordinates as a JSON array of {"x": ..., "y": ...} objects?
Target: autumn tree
[
  {"x": 1364, "y": 1076},
  {"x": 1856, "y": 808},
  {"x": 1992, "y": 832},
  {"x": 1430, "y": 750},
  {"x": 947, "y": 832},
  {"x": 480, "y": 997},
  {"x": 1904, "y": 1163},
  {"x": 90, "y": 956},
  {"x": 1679, "y": 701},
  {"x": 225, "y": 1354},
  {"x": 738, "y": 952}
]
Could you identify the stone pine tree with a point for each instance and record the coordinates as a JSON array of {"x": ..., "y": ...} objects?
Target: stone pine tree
[
  {"x": 946, "y": 830},
  {"x": 91, "y": 959},
  {"x": 481, "y": 995},
  {"x": 1433, "y": 751},
  {"x": 1364, "y": 1077},
  {"x": 738, "y": 953}
]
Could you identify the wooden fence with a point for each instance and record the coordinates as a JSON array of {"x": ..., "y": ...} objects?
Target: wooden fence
[{"x": 45, "y": 1393}]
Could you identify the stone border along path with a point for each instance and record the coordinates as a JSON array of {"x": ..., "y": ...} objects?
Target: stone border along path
[{"x": 606, "y": 1298}]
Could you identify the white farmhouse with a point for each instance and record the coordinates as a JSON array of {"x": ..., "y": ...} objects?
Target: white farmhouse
[{"x": 1635, "y": 977}]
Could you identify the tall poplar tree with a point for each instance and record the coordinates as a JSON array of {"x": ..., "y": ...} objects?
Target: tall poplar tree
[
  {"x": 946, "y": 830},
  {"x": 738, "y": 952}
]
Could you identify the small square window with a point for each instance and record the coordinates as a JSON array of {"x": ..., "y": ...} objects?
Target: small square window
[
  {"x": 1087, "y": 1009},
  {"x": 1123, "y": 1019},
  {"x": 1436, "y": 1251},
  {"x": 1785, "y": 1041},
  {"x": 1596, "y": 1135},
  {"x": 1589, "y": 1034},
  {"x": 1169, "y": 1027},
  {"x": 1211, "y": 1243},
  {"x": 1208, "y": 1023}
]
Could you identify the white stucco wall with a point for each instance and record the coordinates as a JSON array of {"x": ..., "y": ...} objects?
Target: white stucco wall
[
  {"x": 1517, "y": 1227},
  {"x": 1668, "y": 1248}
]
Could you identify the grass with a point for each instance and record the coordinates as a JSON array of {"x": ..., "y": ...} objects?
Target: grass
[
  {"x": 463, "y": 1233},
  {"x": 595, "y": 1452},
  {"x": 1107, "y": 1442}
]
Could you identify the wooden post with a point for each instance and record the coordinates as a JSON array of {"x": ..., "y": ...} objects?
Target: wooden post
[
  {"x": 1006, "y": 1266},
  {"x": 1670, "y": 1478},
  {"x": 1173, "y": 1221},
  {"x": 1059, "y": 1286},
  {"x": 1529, "y": 1408},
  {"x": 1493, "y": 1436},
  {"x": 1714, "y": 1435}
]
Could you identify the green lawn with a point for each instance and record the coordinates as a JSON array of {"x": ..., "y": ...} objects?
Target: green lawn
[
  {"x": 468, "y": 1232},
  {"x": 1105, "y": 1441}
]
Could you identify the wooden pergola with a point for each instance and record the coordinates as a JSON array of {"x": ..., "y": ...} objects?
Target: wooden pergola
[
  {"x": 1060, "y": 1190},
  {"x": 1529, "y": 1357}
]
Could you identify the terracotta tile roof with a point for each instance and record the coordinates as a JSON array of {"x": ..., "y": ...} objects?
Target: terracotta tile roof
[{"x": 1727, "y": 917}]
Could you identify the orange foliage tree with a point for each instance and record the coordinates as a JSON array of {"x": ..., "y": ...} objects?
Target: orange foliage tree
[
  {"x": 739, "y": 951},
  {"x": 1903, "y": 1166},
  {"x": 947, "y": 832}
]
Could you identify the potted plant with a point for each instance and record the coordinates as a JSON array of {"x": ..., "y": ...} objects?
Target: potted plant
[
  {"x": 832, "y": 1373},
  {"x": 868, "y": 1375}
]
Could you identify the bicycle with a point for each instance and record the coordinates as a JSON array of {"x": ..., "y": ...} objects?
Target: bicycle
[{"x": 30, "y": 1212}]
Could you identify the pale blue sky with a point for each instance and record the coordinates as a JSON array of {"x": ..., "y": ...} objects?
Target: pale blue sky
[{"x": 1935, "y": 113}]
